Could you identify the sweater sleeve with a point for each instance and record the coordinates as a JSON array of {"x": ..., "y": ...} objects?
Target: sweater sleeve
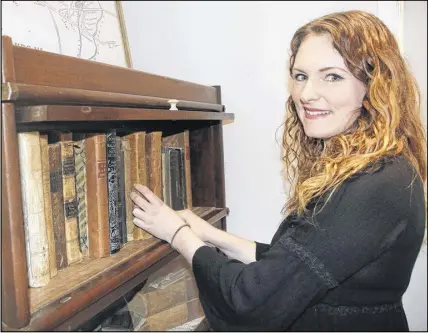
[
  {"x": 260, "y": 249},
  {"x": 362, "y": 221}
]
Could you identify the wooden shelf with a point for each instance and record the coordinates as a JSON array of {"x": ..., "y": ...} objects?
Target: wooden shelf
[
  {"x": 52, "y": 113},
  {"x": 85, "y": 282}
]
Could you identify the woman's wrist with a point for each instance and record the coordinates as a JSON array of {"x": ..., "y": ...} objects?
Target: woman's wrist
[{"x": 187, "y": 243}]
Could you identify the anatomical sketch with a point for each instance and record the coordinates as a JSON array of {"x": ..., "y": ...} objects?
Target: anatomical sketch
[{"x": 85, "y": 29}]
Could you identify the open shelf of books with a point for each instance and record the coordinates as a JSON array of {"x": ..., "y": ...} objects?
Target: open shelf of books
[{"x": 76, "y": 136}]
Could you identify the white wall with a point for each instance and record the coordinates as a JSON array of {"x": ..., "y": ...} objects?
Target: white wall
[
  {"x": 243, "y": 47},
  {"x": 415, "y": 52}
]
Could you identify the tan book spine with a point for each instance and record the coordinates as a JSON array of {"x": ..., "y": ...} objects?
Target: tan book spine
[
  {"x": 70, "y": 203},
  {"x": 126, "y": 146},
  {"x": 96, "y": 194},
  {"x": 155, "y": 300},
  {"x": 154, "y": 162},
  {"x": 48, "y": 204},
  {"x": 55, "y": 167},
  {"x": 36, "y": 240},
  {"x": 80, "y": 161},
  {"x": 137, "y": 142},
  {"x": 173, "y": 317}
]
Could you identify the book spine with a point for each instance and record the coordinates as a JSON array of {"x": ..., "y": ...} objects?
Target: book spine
[
  {"x": 154, "y": 162},
  {"x": 177, "y": 202},
  {"x": 186, "y": 138},
  {"x": 48, "y": 204},
  {"x": 112, "y": 192},
  {"x": 80, "y": 165},
  {"x": 57, "y": 199},
  {"x": 128, "y": 187},
  {"x": 96, "y": 195},
  {"x": 121, "y": 202},
  {"x": 138, "y": 161},
  {"x": 36, "y": 240},
  {"x": 70, "y": 203}
]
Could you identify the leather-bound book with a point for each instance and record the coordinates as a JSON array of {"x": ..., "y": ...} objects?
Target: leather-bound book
[
  {"x": 36, "y": 240},
  {"x": 127, "y": 171},
  {"x": 96, "y": 196},
  {"x": 48, "y": 204},
  {"x": 154, "y": 162}
]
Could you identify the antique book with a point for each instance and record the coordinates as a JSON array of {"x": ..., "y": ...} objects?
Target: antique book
[
  {"x": 166, "y": 177},
  {"x": 70, "y": 202},
  {"x": 174, "y": 316},
  {"x": 112, "y": 192},
  {"x": 154, "y": 162},
  {"x": 57, "y": 203},
  {"x": 36, "y": 240},
  {"x": 96, "y": 195},
  {"x": 137, "y": 142},
  {"x": 177, "y": 180},
  {"x": 128, "y": 188},
  {"x": 80, "y": 167},
  {"x": 48, "y": 204},
  {"x": 121, "y": 201},
  {"x": 181, "y": 140}
]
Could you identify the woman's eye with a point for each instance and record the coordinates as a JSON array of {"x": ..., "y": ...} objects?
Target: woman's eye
[
  {"x": 299, "y": 77},
  {"x": 333, "y": 77}
]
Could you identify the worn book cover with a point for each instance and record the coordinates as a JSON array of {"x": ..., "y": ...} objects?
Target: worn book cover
[
  {"x": 128, "y": 188},
  {"x": 154, "y": 162},
  {"x": 112, "y": 192},
  {"x": 121, "y": 200},
  {"x": 182, "y": 140},
  {"x": 96, "y": 192},
  {"x": 57, "y": 201},
  {"x": 70, "y": 202},
  {"x": 177, "y": 181},
  {"x": 36, "y": 239},
  {"x": 80, "y": 166},
  {"x": 48, "y": 204}
]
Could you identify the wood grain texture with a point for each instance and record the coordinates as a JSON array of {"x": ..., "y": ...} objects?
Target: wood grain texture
[
  {"x": 15, "y": 304},
  {"x": 51, "y": 113},
  {"x": 49, "y": 69},
  {"x": 28, "y": 94},
  {"x": 15, "y": 307}
]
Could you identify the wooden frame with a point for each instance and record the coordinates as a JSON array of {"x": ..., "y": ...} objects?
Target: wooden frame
[{"x": 90, "y": 85}]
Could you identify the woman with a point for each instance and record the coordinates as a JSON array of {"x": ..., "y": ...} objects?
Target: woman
[{"x": 354, "y": 148}]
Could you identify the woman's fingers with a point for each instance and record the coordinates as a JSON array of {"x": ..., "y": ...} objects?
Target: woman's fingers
[
  {"x": 140, "y": 201},
  {"x": 138, "y": 213},
  {"x": 139, "y": 223},
  {"x": 149, "y": 195}
]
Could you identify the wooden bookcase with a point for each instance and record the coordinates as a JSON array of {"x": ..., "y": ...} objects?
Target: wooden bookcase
[{"x": 43, "y": 91}]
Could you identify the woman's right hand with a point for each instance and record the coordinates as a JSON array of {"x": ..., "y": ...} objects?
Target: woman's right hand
[{"x": 200, "y": 227}]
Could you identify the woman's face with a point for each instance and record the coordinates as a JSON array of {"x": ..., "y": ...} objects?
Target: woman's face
[{"x": 327, "y": 96}]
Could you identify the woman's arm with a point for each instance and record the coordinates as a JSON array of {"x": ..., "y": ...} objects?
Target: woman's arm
[{"x": 233, "y": 246}]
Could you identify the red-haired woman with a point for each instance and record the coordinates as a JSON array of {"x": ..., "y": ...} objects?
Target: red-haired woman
[{"x": 355, "y": 151}]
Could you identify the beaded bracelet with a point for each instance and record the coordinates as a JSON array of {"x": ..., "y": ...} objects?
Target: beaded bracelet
[{"x": 176, "y": 232}]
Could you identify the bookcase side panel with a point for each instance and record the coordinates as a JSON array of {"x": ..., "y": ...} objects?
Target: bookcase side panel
[{"x": 15, "y": 303}]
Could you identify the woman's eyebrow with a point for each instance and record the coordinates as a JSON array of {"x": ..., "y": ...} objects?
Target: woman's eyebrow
[{"x": 324, "y": 69}]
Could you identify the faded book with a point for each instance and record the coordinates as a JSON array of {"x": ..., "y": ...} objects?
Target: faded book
[
  {"x": 112, "y": 192},
  {"x": 137, "y": 143},
  {"x": 166, "y": 177},
  {"x": 155, "y": 300},
  {"x": 48, "y": 204},
  {"x": 70, "y": 203},
  {"x": 57, "y": 200},
  {"x": 177, "y": 181},
  {"x": 154, "y": 162},
  {"x": 121, "y": 201},
  {"x": 173, "y": 317},
  {"x": 80, "y": 166},
  {"x": 36, "y": 239},
  {"x": 182, "y": 140},
  {"x": 128, "y": 188},
  {"x": 96, "y": 195}
]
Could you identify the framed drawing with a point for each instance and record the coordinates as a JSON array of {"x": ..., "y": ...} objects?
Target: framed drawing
[{"x": 93, "y": 30}]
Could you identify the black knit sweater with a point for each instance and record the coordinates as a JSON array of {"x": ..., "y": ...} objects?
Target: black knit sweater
[{"x": 347, "y": 272}]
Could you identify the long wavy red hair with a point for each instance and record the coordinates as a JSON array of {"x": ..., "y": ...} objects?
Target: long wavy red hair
[{"x": 389, "y": 123}]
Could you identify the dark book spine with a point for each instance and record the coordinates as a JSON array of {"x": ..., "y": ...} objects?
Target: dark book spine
[
  {"x": 121, "y": 200},
  {"x": 112, "y": 192},
  {"x": 182, "y": 183},
  {"x": 176, "y": 191},
  {"x": 57, "y": 198}
]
